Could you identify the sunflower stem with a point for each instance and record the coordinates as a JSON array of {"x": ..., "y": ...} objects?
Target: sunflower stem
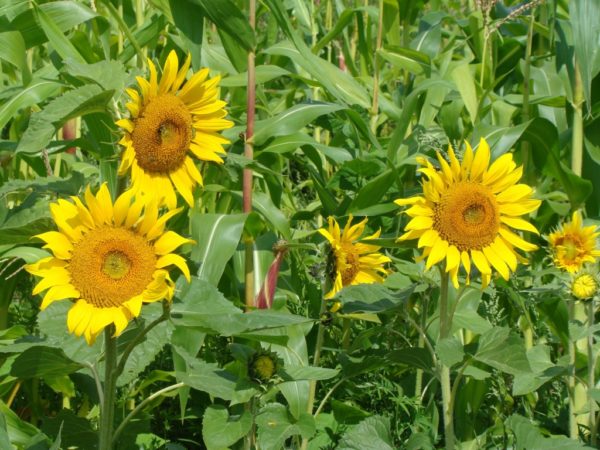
[
  {"x": 591, "y": 373},
  {"x": 108, "y": 410},
  {"x": 140, "y": 336},
  {"x": 573, "y": 429},
  {"x": 445, "y": 326},
  {"x": 249, "y": 153},
  {"x": 141, "y": 406},
  {"x": 312, "y": 389}
]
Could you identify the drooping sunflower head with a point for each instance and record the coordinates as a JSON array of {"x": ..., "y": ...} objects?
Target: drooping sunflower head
[
  {"x": 572, "y": 245},
  {"x": 171, "y": 120},
  {"x": 108, "y": 258},
  {"x": 584, "y": 285},
  {"x": 352, "y": 262},
  {"x": 467, "y": 211}
]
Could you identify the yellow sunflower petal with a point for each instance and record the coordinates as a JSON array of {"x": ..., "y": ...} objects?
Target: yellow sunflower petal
[
  {"x": 169, "y": 242},
  {"x": 481, "y": 160},
  {"x": 438, "y": 252},
  {"x": 58, "y": 243},
  {"x": 58, "y": 293},
  {"x": 480, "y": 262},
  {"x": 515, "y": 240},
  {"x": 175, "y": 260}
]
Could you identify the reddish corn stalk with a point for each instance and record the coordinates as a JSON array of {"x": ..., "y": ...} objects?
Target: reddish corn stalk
[
  {"x": 69, "y": 132},
  {"x": 264, "y": 300}
]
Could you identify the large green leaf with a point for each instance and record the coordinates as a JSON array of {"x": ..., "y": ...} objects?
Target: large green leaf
[
  {"x": 55, "y": 36},
  {"x": 77, "y": 102},
  {"x": 67, "y": 185},
  {"x": 64, "y": 14},
  {"x": 52, "y": 323},
  {"x": 586, "y": 36},
  {"x": 187, "y": 17},
  {"x": 371, "y": 298},
  {"x": 203, "y": 307},
  {"x": 154, "y": 341},
  {"x": 12, "y": 49},
  {"x": 503, "y": 350},
  {"x": 220, "y": 430},
  {"x": 291, "y": 121},
  {"x": 217, "y": 382},
  {"x": 217, "y": 237},
  {"x": 36, "y": 92},
  {"x": 228, "y": 17},
  {"x": 529, "y": 436},
  {"x": 19, "y": 431},
  {"x": 276, "y": 424},
  {"x": 292, "y": 142},
  {"x": 373, "y": 433},
  {"x": 25, "y": 223},
  {"x": 38, "y": 362}
]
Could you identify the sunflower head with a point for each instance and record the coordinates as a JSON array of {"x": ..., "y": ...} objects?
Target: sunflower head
[
  {"x": 467, "y": 212},
  {"x": 109, "y": 258},
  {"x": 171, "y": 120},
  {"x": 584, "y": 285},
  {"x": 351, "y": 262},
  {"x": 572, "y": 245},
  {"x": 264, "y": 365}
]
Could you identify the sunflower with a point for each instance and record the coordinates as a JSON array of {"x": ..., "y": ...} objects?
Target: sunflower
[
  {"x": 572, "y": 244},
  {"x": 467, "y": 211},
  {"x": 352, "y": 262},
  {"x": 108, "y": 258},
  {"x": 169, "y": 119},
  {"x": 584, "y": 286}
]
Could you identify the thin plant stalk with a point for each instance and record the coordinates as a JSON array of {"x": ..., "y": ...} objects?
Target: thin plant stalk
[
  {"x": 577, "y": 136},
  {"x": 579, "y": 396},
  {"x": 591, "y": 373},
  {"x": 142, "y": 405},
  {"x": 445, "y": 327},
  {"x": 312, "y": 389},
  {"x": 526, "y": 146},
  {"x": 108, "y": 411},
  {"x": 375, "y": 104},
  {"x": 573, "y": 429},
  {"x": 247, "y": 174}
]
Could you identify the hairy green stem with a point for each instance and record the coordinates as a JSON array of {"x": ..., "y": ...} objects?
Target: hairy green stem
[
  {"x": 445, "y": 327},
  {"x": 591, "y": 373},
  {"x": 573, "y": 429},
  {"x": 324, "y": 401},
  {"x": 312, "y": 389},
  {"x": 141, "y": 406},
  {"x": 108, "y": 411},
  {"x": 140, "y": 336}
]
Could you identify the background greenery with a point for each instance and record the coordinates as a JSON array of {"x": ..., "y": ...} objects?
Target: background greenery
[{"x": 348, "y": 93}]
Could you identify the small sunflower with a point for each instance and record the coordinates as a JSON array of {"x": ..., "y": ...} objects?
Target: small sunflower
[
  {"x": 467, "y": 211},
  {"x": 108, "y": 258},
  {"x": 169, "y": 119},
  {"x": 584, "y": 286},
  {"x": 572, "y": 244},
  {"x": 352, "y": 262},
  {"x": 263, "y": 365}
]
